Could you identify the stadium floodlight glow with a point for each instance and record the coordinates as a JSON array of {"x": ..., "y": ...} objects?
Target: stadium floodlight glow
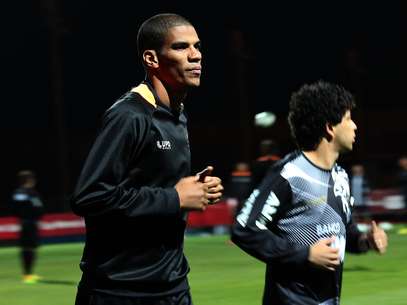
[{"x": 264, "y": 119}]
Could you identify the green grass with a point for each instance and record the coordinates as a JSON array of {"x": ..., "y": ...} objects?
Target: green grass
[{"x": 221, "y": 274}]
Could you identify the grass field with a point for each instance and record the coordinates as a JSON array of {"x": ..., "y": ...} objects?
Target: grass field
[{"x": 221, "y": 274}]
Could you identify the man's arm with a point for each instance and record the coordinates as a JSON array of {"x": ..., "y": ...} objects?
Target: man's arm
[
  {"x": 105, "y": 184},
  {"x": 252, "y": 232}
]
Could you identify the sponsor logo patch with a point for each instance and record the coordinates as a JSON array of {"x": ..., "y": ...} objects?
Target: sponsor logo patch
[{"x": 164, "y": 145}]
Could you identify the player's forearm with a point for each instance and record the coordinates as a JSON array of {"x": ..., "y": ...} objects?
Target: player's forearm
[
  {"x": 268, "y": 247},
  {"x": 145, "y": 201}
]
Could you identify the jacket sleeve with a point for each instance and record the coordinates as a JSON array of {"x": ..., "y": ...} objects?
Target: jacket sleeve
[
  {"x": 255, "y": 230},
  {"x": 106, "y": 184}
]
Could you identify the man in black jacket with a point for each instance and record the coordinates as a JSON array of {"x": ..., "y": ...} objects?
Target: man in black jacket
[
  {"x": 135, "y": 188},
  {"x": 299, "y": 221}
]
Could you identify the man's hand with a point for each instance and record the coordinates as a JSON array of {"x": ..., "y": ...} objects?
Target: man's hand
[
  {"x": 214, "y": 184},
  {"x": 215, "y": 188},
  {"x": 193, "y": 195},
  {"x": 323, "y": 255},
  {"x": 377, "y": 238},
  {"x": 196, "y": 195}
]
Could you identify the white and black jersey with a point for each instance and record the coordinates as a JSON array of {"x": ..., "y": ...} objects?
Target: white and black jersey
[{"x": 296, "y": 205}]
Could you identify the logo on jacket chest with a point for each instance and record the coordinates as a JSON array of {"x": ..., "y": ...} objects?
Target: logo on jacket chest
[{"x": 163, "y": 145}]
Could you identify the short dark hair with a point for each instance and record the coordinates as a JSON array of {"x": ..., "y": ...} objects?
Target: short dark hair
[
  {"x": 312, "y": 107},
  {"x": 152, "y": 32}
]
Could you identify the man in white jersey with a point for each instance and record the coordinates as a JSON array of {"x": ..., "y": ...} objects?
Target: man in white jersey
[{"x": 298, "y": 221}]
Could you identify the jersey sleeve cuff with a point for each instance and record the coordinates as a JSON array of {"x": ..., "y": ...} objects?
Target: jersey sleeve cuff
[{"x": 173, "y": 201}]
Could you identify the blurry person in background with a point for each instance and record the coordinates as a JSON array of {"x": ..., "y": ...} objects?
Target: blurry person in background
[
  {"x": 239, "y": 185},
  {"x": 136, "y": 188},
  {"x": 269, "y": 154},
  {"x": 28, "y": 207},
  {"x": 402, "y": 178},
  {"x": 359, "y": 187},
  {"x": 299, "y": 220}
]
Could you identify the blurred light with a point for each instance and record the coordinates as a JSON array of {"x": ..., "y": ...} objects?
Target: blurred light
[{"x": 264, "y": 119}]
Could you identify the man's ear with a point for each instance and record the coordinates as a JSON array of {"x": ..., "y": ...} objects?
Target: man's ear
[
  {"x": 329, "y": 131},
  {"x": 150, "y": 59}
]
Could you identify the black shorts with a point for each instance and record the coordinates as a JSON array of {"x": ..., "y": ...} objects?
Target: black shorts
[{"x": 94, "y": 298}]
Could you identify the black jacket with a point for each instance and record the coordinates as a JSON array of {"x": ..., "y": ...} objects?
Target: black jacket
[
  {"x": 27, "y": 204},
  {"x": 134, "y": 225}
]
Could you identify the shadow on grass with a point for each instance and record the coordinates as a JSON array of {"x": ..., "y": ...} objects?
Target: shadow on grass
[
  {"x": 357, "y": 268},
  {"x": 58, "y": 282}
]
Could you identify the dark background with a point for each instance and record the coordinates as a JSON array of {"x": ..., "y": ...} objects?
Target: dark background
[{"x": 65, "y": 62}]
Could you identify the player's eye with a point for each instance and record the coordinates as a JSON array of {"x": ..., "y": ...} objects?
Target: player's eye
[
  {"x": 198, "y": 46},
  {"x": 179, "y": 46}
]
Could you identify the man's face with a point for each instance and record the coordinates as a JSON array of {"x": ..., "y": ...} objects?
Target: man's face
[
  {"x": 345, "y": 133},
  {"x": 180, "y": 58}
]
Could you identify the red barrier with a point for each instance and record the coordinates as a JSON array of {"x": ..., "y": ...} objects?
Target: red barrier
[
  {"x": 66, "y": 224},
  {"x": 9, "y": 228},
  {"x": 214, "y": 215},
  {"x": 61, "y": 224}
]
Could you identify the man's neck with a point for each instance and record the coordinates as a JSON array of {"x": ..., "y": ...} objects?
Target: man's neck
[
  {"x": 171, "y": 98},
  {"x": 324, "y": 156}
]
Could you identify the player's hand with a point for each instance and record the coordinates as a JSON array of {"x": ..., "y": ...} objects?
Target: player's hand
[
  {"x": 215, "y": 188},
  {"x": 377, "y": 238},
  {"x": 193, "y": 195},
  {"x": 323, "y": 255}
]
